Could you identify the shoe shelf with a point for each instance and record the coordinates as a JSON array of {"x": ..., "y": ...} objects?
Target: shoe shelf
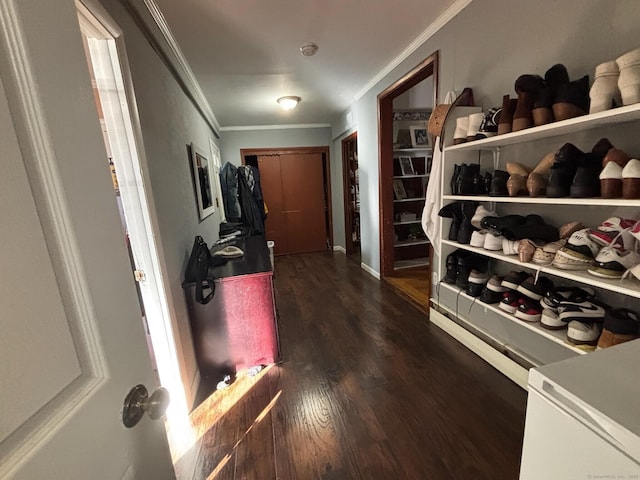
[
  {"x": 413, "y": 150},
  {"x": 626, "y": 287},
  {"x": 411, "y": 176},
  {"x": 615, "y": 116},
  {"x": 408, "y": 222},
  {"x": 557, "y": 336},
  {"x": 408, "y": 243},
  {"x": 612, "y": 202},
  {"x": 413, "y": 199},
  {"x": 412, "y": 263}
]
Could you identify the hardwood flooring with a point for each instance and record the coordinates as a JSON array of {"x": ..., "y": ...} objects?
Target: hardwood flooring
[
  {"x": 413, "y": 284},
  {"x": 368, "y": 390}
]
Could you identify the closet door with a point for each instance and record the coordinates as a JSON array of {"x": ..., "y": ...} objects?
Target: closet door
[{"x": 293, "y": 188}]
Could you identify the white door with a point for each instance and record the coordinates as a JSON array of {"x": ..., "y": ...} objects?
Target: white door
[{"x": 71, "y": 341}]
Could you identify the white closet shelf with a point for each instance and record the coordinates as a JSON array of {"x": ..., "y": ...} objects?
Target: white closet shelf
[
  {"x": 408, "y": 243},
  {"x": 557, "y": 336},
  {"x": 407, "y": 222},
  {"x": 412, "y": 176},
  {"x": 614, "y": 116},
  {"x": 413, "y": 199},
  {"x": 414, "y": 262},
  {"x": 613, "y": 202},
  {"x": 413, "y": 150},
  {"x": 627, "y": 287}
]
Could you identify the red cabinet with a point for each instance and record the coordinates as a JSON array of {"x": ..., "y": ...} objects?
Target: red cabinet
[{"x": 238, "y": 328}]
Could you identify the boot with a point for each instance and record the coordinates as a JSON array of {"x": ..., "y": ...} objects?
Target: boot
[
  {"x": 460, "y": 133},
  {"x": 465, "y": 179},
  {"x": 629, "y": 80},
  {"x": 572, "y": 99},
  {"x": 454, "y": 179},
  {"x": 506, "y": 116},
  {"x": 454, "y": 212},
  {"x": 528, "y": 88},
  {"x": 604, "y": 93},
  {"x": 566, "y": 161},
  {"x": 499, "y": 184},
  {"x": 467, "y": 210}
]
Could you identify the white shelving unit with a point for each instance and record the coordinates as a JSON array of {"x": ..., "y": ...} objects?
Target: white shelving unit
[{"x": 529, "y": 146}]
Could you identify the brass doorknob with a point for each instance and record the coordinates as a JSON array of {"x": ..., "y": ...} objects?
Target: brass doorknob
[{"x": 138, "y": 402}]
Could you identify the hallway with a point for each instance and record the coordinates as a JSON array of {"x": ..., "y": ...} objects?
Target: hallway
[{"x": 368, "y": 390}]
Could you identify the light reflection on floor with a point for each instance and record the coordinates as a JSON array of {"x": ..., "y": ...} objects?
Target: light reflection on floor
[{"x": 185, "y": 429}]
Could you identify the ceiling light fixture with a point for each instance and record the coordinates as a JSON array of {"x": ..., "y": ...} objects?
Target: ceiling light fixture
[
  {"x": 288, "y": 103},
  {"x": 309, "y": 49}
]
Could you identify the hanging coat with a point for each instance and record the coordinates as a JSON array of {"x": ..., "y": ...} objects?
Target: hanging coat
[{"x": 229, "y": 184}]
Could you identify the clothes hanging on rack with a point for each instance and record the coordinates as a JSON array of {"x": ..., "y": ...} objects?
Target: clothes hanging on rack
[
  {"x": 430, "y": 219},
  {"x": 229, "y": 184},
  {"x": 252, "y": 213}
]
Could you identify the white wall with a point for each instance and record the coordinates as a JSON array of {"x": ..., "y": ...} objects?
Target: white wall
[{"x": 486, "y": 47}]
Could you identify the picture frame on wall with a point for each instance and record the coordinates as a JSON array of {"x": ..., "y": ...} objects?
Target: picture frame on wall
[
  {"x": 203, "y": 177},
  {"x": 406, "y": 166},
  {"x": 419, "y": 136}
]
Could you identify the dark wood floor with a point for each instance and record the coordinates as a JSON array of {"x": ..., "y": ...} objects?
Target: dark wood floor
[{"x": 368, "y": 390}]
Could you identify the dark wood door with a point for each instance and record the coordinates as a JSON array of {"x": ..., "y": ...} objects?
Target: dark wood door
[{"x": 293, "y": 185}]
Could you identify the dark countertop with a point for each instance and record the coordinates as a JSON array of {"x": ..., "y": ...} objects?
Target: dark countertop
[{"x": 255, "y": 259}]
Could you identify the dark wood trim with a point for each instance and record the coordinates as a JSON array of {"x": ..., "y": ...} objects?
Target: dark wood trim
[
  {"x": 426, "y": 68},
  {"x": 304, "y": 150},
  {"x": 346, "y": 186}
]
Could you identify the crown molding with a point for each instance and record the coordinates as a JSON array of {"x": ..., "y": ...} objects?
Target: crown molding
[
  {"x": 275, "y": 127},
  {"x": 174, "y": 59},
  {"x": 431, "y": 30}
]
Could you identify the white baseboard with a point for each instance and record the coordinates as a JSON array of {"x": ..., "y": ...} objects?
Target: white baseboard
[
  {"x": 370, "y": 270},
  {"x": 496, "y": 359},
  {"x": 338, "y": 248}
]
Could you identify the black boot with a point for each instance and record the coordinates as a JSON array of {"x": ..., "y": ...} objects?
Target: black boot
[{"x": 454, "y": 180}]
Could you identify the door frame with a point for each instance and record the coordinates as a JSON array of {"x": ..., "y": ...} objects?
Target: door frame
[
  {"x": 346, "y": 186},
  {"x": 326, "y": 180},
  {"x": 425, "y": 69}
]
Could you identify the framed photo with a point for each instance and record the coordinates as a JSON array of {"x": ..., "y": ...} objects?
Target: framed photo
[
  {"x": 203, "y": 179},
  {"x": 406, "y": 166},
  {"x": 398, "y": 189},
  {"x": 419, "y": 136}
]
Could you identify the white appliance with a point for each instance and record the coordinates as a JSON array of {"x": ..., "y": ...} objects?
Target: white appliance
[{"x": 583, "y": 418}]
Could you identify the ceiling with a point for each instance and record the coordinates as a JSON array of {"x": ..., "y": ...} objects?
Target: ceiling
[{"x": 245, "y": 53}]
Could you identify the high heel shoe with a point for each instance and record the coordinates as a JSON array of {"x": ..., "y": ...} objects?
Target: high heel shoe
[
  {"x": 516, "y": 185},
  {"x": 538, "y": 178}
]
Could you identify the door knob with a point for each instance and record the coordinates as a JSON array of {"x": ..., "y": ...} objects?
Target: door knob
[{"x": 138, "y": 402}]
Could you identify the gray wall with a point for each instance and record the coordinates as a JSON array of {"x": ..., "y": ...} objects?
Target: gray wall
[{"x": 486, "y": 47}]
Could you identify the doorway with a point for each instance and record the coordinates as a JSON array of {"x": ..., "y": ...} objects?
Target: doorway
[
  {"x": 115, "y": 102},
  {"x": 296, "y": 191},
  {"x": 351, "y": 189},
  {"x": 404, "y": 165}
]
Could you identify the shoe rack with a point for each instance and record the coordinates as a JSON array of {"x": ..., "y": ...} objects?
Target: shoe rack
[
  {"x": 411, "y": 167},
  {"x": 529, "y": 344}
]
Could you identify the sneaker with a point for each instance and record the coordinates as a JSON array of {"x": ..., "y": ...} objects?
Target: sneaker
[
  {"x": 481, "y": 212},
  {"x": 613, "y": 263},
  {"x": 510, "y": 301},
  {"x": 493, "y": 242},
  {"x": 554, "y": 298},
  {"x": 580, "y": 247},
  {"x": 510, "y": 247},
  {"x": 544, "y": 255},
  {"x": 536, "y": 290},
  {"x": 489, "y": 126},
  {"x": 477, "y": 238},
  {"x": 529, "y": 311},
  {"x": 585, "y": 311},
  {"x": 493, "y": 290},
  {"x": 613, "y": 229},
  {"x": 620, "y": 325},
  {"x": 583, "y": 334},
  {"x": 549, "y": 320},
  {"x": 476, "y": 282},
  {"x": 513, "y": 279}
]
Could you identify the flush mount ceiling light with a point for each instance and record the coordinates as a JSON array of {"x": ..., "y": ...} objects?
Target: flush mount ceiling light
[
  {"x": 309, "y": 49},
  {"x": 288, "y": 103}
]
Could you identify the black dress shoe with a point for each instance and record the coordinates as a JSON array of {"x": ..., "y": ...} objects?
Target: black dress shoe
[
  {"x": 498, "y": 225},
  {"x": 533, "y": 228}
]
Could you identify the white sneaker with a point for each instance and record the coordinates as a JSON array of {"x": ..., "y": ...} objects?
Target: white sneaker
[
  {"x": 478, "y": 238},
  {"x": 613, "y": 263},
  {"x": 580, "y": 247},
  {"x": 583, "y": 334},
  {"x": 549, "y": 320},
  {"x": 614, "y": 229},
  {"x": 481, "y": 212},
  {"x": 510, "y": 247},
  {"x": 493, "y": 242}
]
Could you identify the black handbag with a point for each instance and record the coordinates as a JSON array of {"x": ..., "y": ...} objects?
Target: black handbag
[{"x": 199, "y": 270}]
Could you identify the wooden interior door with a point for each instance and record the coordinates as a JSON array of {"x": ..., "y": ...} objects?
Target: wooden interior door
[{"x": 293, "y": 186}]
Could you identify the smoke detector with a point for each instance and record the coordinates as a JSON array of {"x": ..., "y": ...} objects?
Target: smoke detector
[{"x": 309, "y": 49}]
